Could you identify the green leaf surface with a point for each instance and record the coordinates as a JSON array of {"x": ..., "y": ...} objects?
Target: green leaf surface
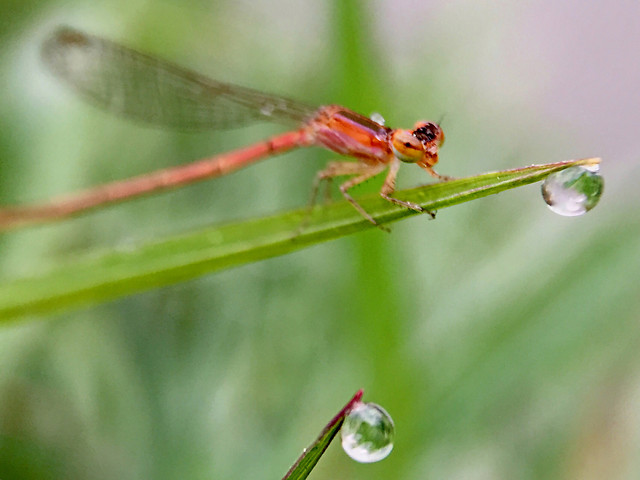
[
  {"x": 310, "y": 455},
  {"x": 108, "y": 275}
]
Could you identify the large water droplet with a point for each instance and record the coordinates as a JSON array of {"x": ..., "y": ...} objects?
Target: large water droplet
[
  {"x": 573, "y": 191},
  {"x": 367, "y": 433}
]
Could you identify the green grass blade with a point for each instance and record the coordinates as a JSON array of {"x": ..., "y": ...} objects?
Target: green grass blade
[
  {"x": 105, "y": 276},
  {"x": 310, "y": 456}
]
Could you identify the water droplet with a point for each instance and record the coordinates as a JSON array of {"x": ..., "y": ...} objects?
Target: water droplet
[
  {"x": 573, "y": 191},
  {"x": 267, "y": 109},
  {"x": 378, "y": 118},
  {"x": 367, "y": 433}
]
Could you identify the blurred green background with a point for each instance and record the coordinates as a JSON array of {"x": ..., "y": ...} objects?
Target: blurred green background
[{"x": 503, "y": 339}]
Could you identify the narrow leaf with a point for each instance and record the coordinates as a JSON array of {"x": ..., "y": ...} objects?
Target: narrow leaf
[
  {"x": 310, "y": 455},
  {"x": 105, "y": 276}
]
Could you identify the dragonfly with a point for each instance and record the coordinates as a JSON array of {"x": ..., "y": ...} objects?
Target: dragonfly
[{"x": 145, "y": 88}]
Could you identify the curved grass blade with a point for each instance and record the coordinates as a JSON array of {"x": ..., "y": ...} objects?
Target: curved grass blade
[
  {"x": 310, "y": 455},
  {"x": 105, "y": 276}
]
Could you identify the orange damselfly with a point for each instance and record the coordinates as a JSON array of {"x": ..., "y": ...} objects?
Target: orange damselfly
[{"x": 142, "y": 87}]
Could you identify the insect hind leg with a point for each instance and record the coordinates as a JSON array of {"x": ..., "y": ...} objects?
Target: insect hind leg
[{"x": 361, "y": 172}]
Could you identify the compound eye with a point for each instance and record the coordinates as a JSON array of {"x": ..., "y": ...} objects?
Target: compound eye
[
  {"x": 406, "y": 147},
  {"x": 428, "y": 132}
]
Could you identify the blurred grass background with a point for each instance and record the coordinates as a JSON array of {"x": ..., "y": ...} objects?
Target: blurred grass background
[{"x": 501, "y": 338}]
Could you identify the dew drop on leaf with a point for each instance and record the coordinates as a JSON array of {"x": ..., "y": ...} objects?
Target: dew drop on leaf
[
  {"x": 573, "y": 191},
  {"x": 367, "y": 433}
]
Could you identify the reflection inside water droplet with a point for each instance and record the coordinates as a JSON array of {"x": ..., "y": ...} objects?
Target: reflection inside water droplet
[
  {"x": 573, "y": 191},
  {"x": 367, "y": 433}
]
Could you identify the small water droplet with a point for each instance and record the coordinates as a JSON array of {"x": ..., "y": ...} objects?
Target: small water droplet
[
  {"x": 267, "y": 109},
  {"x": 573, "y": 191},
  {"x": 378, "y": 118},
  {"x": 367, "y": 433}
]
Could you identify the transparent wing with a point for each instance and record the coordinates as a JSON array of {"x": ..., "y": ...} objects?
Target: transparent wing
[{"x": 141, "y": 87}]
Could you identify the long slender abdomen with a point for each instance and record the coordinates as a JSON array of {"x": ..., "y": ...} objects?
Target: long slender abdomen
[{"x": 159, "y": 180}]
